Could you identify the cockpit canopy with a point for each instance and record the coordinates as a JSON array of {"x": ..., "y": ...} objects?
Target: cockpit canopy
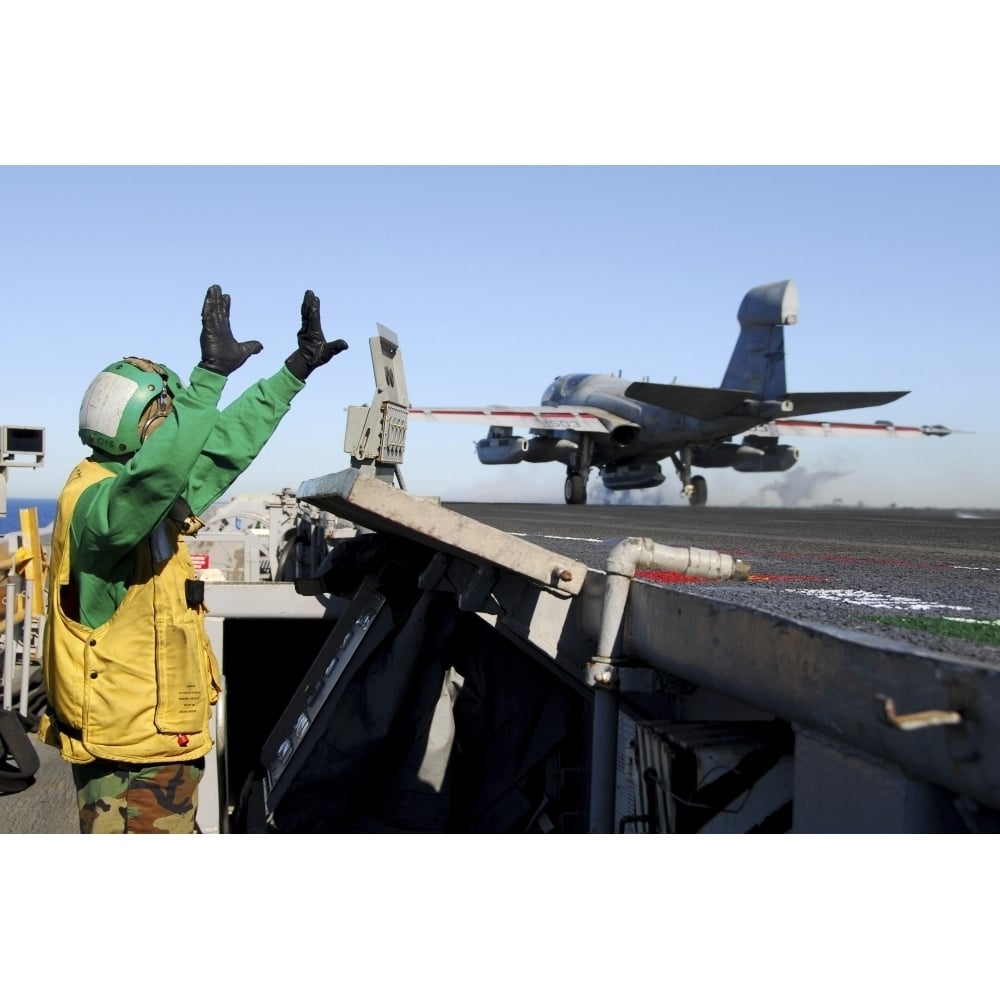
[{"x": 563, "y": 386}]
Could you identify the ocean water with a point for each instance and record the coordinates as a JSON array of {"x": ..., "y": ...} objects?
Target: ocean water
[{"x": 12, "y": 520}]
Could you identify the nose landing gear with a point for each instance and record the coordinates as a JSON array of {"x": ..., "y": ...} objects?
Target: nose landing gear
[
  {"x": 693, "y": 487},
  {"x": 696, "y": 491}
]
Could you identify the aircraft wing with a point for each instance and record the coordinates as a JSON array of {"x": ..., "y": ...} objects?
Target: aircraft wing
[
  {"x": 548, "y": 418},
  {"x": 827, "y": 428}
]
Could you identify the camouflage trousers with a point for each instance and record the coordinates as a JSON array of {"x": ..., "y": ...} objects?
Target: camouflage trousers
[{"x": 132, "y": 798}]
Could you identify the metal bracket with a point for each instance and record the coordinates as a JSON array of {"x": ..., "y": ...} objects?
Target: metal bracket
[
  {"x": 917, "y": 720},
  {"x": 375, "y": 436}
]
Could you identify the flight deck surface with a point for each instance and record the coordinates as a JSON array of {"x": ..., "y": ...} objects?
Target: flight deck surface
[{"x": 855, "y": 568}]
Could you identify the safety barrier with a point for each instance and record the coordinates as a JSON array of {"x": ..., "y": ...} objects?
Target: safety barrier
[{"x": 23, "y": 565}]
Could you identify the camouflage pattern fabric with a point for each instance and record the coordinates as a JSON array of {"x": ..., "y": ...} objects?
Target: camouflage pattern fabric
[{"x": 131, "y": 798}]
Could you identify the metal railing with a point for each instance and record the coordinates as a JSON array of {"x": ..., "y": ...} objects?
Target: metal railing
[{"x": 24, "y": 567}]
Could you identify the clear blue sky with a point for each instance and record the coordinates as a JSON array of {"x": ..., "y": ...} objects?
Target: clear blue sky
[
  {"x": 498, "y": 279},
  {"x": 498, "y": 276}
]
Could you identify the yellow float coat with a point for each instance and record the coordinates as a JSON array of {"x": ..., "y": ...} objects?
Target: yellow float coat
[{"x": 115, "y": 694}]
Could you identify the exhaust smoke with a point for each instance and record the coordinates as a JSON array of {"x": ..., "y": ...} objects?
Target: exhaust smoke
[{"x": 796, "y": 488}]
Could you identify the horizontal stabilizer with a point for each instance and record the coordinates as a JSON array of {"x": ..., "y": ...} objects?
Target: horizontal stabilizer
[
  {"x": 827, "y": 402},
  {"x": 691, "y": 400}
]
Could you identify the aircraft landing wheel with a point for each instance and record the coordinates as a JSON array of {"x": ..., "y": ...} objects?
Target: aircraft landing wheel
[
  {"x": 576, "y": 488},
  {"x": 698, "y": 496}
]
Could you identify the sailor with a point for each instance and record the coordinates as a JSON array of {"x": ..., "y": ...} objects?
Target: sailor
[{"x": 130, "y": 674}]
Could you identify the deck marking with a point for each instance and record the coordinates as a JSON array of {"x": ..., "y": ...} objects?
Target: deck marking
[
  {"x": 667, "y": 576},
  {"x": 882, "y": 602},
  {"x": 556, "y": 538},
  {"x": 982, "y": 631}
]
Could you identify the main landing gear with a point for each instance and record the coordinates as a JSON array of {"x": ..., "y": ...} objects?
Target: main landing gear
[
  {"x": 575, "y": 488},
  {"x": 577, "y": 471},
  {"x": 694, "y": 487}
]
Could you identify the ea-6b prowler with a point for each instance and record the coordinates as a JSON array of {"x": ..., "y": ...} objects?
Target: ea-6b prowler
[{"x": 624, "y": 429}]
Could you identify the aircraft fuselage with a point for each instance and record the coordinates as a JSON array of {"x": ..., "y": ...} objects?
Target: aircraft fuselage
[{"x": 659, "y": 432}]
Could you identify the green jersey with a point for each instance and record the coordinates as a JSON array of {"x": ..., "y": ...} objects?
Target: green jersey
[{"x": 197, "y": 454}]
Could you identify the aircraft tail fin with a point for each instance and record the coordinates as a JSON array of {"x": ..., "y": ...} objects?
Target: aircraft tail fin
[{"x": 757, "y": 365}]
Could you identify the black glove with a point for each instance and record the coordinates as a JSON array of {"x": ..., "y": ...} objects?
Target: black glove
[
  {"x": 313, "y": 349},
  {"x": 220, "y": 351}
]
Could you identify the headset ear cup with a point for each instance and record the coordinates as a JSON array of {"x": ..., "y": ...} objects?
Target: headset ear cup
[
  {"x": 149, "y": 426},
  {"x": 154, "y": 415}
]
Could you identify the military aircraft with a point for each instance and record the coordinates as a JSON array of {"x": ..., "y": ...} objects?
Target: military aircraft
[{"x": 624, "y": 429}]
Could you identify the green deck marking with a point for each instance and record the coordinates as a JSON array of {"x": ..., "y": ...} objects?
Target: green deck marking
[{"x": 983, "y": 631}]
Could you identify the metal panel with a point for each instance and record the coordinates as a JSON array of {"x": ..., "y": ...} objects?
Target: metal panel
[
  {"x": 213, "y": 790},
  {"x": 838, "y": 683},
  {"x": 372, "y": 503},
  {"x": 842, "y": 790},
  {"x": 268, "y": 600}
]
